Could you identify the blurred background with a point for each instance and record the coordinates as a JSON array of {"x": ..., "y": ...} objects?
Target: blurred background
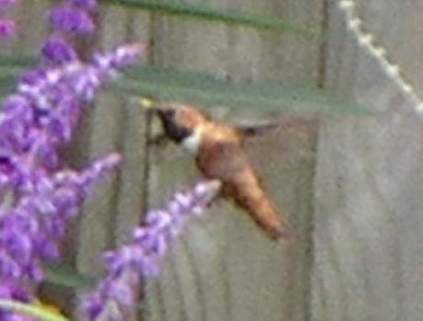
[{"x": 346, "y": 167}]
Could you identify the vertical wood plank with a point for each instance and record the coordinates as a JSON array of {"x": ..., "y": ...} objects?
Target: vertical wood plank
[
  {"x": 368, "y": 184},
  {"x": 96, "y": 226},
  {"x": 131, "y": 192}
]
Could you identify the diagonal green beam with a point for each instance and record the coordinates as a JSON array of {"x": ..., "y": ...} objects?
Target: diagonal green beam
[{"x": 207, "y": 13}]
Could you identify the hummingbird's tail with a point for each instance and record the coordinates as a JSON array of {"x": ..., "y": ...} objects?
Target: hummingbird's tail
[
  {"x": 265, "y": 214},
  {"x": 251, "y": 196}
]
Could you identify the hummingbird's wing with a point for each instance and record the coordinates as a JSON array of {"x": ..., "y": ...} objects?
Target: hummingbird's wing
[
  {"x": 228, "y": 162},
  {"x": 291, "y": 122},
  {"x": 248, "y": 130}
]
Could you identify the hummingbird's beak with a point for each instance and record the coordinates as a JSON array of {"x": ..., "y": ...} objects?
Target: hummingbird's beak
[
  {"x": 149, "y": 104},
  {"x": 146, "y": 103},
  {"x": 164, "y": 112}
]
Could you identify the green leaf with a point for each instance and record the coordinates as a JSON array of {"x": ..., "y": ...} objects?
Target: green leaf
[
  {"x": 203, "y": 12},
  {"x": 265, "y": 96},
  {"x": 208, "y": 90},
  {"x": 64, "y": 275},
  {"x": 10, "y": 67},
  {"x": 16, "y": 61},
  {"x": 31, "y": 310}
]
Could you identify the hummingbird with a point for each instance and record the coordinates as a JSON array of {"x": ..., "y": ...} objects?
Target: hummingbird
[{"x": 220, "y": 154}]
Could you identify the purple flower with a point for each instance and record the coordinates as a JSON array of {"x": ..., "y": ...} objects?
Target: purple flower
[
  {"x": 90, "y": 5},
  {"x": 71, "y": 19},
  {"x": 116, "y": 295},
  {"x": 58, "y": 51},
  {"x": 7, "y": 28},
  {"x": 9, "y": 290},
  {"x": 32, "y": 230}
]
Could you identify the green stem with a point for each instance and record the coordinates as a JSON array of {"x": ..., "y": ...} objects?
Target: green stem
[
  {"x": 31, "y": 310},
  {"x": 207, "y": 13}
]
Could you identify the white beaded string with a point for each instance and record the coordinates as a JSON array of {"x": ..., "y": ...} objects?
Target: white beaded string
[{"x": 366, "y": 41}]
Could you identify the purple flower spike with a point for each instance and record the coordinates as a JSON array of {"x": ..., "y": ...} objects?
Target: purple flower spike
[
  {"x": 43, "y": 114},
  {"x": 34, "y": 123},
  {"x": 72, "y": 20},
  {"x": 116, "y": 295},
  {"x": 39, "y": 196},
  {"x": 33, "y": 230},
  {"x": 35, "y": 227}
]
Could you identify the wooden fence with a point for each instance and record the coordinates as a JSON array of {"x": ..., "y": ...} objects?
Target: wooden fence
[{"x": 352, "y": 189}]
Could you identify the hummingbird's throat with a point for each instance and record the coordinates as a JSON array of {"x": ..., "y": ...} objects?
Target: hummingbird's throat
[{"x": 192, "y": 142}]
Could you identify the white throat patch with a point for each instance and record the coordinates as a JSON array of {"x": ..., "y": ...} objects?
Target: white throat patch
[{"x": 192, "y": 142}]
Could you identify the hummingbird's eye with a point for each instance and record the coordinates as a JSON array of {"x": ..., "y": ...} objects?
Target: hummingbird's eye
[{"x": 172, "y": 126}]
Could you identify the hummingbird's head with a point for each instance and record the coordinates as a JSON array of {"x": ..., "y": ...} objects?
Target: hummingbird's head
[{"x": 183, "y": 124}]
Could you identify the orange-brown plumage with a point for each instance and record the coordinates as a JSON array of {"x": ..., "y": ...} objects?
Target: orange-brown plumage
[{"x": 220, "y": 154}]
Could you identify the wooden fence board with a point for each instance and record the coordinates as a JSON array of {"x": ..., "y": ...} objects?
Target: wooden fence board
[{"x": 367, "y": 238}]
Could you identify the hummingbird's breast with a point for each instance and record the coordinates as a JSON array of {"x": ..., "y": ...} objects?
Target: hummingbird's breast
[{"x": 220, "y": 155}]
